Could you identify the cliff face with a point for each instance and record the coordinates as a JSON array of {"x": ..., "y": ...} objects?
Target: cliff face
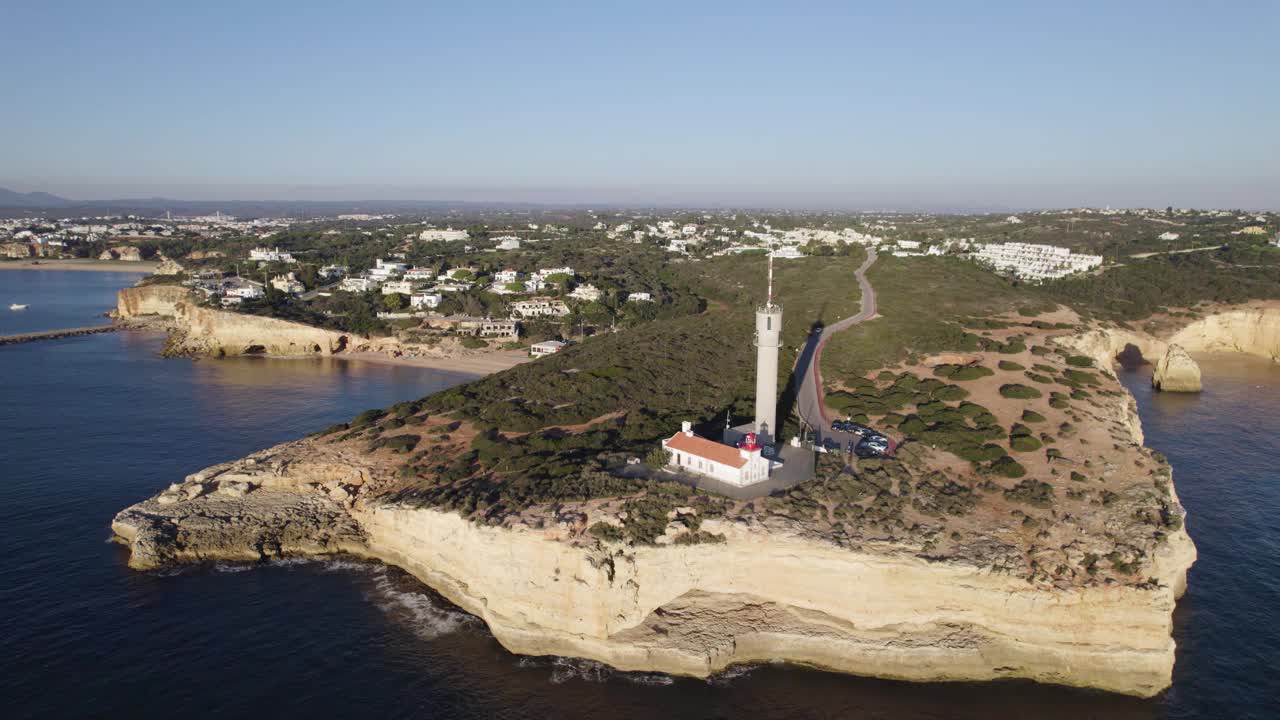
[
  {"x": 764, "y": 594},
  {"x": 150, "y": 300},
  {"x": 759, "y": 596},
  {"x": 1253, "y": 331},
  {"x": 1250, "y": 330},
  {"x": 208, "y": 331}
]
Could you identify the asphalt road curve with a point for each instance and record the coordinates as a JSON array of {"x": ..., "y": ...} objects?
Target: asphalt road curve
[{"x": 809, "y": 400}]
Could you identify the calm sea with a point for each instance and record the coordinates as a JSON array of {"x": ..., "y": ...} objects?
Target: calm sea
[{"x": 90, "y": 425}]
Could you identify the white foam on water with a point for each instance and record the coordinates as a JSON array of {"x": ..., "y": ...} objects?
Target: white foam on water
[
  {"x": 232, "y": 567},
  {"x": 727, "y": 676},
  {"x": 426, "y": 615},
  {"x": 564, "y": 669},
  {"x": 656, "y": 679}
]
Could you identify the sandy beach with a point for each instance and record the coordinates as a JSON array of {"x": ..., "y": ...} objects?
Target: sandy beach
[
  {"x": 145, "y": 266},
  {"x": 479, "y": 365}
]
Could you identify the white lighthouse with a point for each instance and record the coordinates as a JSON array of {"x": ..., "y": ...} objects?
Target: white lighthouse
[{"x": 768, "y": 340}]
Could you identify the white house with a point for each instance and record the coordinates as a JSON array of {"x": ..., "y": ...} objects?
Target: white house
[
  {"x": 358, "y": 284},
  {"x": 404, "y": 287},
  {"x": 245, "y": 292},
  {"x": 1168, "y": 236},
  {"x": 689, "y": 229},
  {"x": 588, "y": 292},
  {"x": 447, "y": 234},
  {"x": 384, "y": 269},
  {"x": 417, "y": 273},
  {"x": 738, "y": 466},
  {"x": 502, "y": 277},
  {"x": 330, "y": 272},
  {"x": 539, "y": 307},
  {"x": 639, "y": 297},
  {"x": 546, "y": 347},
  {"x": 508, "y": 242},
  {"x": 270, "y": 255},
  {"x": 545, "y": 273},
  {"x": 431, "y": 301},
  {"x": 288, "y": 283}
]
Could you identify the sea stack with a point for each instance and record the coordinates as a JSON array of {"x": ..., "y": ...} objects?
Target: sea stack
[{"x": 1176, "y": 372}]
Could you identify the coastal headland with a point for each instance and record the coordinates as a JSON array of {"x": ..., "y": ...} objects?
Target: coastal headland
[{"x": 1078, "y": 592}]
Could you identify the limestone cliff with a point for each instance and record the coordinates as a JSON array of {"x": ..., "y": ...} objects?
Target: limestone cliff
[
  {"x": 202, "y": 330},
  {"x": 1252, "y": 329},
  {"x": 766, "y": 593},
  {"x": 161, "y": 300},
  {"x": 1176, "y": 372}
]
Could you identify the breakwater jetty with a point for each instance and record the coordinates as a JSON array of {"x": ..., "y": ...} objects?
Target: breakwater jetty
[{"x": 55, "y": 334}]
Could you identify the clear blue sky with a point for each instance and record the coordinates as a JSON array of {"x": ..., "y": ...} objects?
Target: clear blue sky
[{"x": 831, "y": 104}]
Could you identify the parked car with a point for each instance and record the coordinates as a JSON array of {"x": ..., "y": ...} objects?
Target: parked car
[{"x": 872, "y": 447}]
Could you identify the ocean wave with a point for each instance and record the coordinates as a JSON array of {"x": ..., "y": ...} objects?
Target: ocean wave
[
  {"x": 426, "y": 615},
  {"x": 564, "y": 669},
  {"x": 726, "y": 677}
]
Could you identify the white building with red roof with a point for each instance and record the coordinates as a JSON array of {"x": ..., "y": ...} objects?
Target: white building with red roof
[{"x": 740, "y": 466}]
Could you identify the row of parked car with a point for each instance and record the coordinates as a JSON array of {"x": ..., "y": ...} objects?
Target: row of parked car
[{"x": 869, "y": 443}]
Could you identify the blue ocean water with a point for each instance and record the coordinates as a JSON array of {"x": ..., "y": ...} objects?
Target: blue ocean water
[
  {"x": 58, "y": 299},
  {"x": 90, "y": 425}
]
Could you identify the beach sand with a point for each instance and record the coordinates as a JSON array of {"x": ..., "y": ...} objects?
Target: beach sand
[
  {"x": 145, "y": 266},
  {"x": 480, "y": 364}
]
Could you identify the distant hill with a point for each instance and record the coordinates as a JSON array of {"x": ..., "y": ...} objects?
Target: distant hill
[{"x": 12, "y": 199}]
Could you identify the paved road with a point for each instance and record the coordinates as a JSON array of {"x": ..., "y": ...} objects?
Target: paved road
[
  {"x": 1177, "y": 252},
  {"x": 809, "y": 402}
]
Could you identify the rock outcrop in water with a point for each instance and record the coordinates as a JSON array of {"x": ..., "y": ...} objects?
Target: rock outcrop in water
[{"x": 1176, "y": 372}]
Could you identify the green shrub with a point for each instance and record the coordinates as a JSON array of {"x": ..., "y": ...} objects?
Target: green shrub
[
  {"x": 951, "y": 393},
  {"x": 1013, "y": 347},
  {"x": 1020, "y": 392},
  {"x": 1007, "y": 467},
  {"x": 1032, "y": 416},
  {"x": 1032, "y": 492},
  {"x": 474, "y": 343},
  {"x": 1040, "y": 351},
  {"x": 1078, "y": 477},
  {"x": 1036, "y": 377},
  {"x": 398, "y": 444},
  {"x": 1081, "y": 361},
  {"x": 606, "y": 531},
  {"x": 971, "y": 372},
  {"x": 1058, "y": 401},
  {"x": 1024, "y": 443},
  {"x": 1011, "y": 365}
]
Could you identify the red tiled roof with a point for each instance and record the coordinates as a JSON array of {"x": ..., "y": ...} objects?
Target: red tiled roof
[{"x": 707, "y": 449}]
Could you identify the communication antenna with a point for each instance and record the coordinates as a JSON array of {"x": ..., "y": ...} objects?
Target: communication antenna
[{"x": 769, "y": 296}]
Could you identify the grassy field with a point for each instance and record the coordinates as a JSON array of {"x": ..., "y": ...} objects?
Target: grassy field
[{"x": 922, "y": 303}]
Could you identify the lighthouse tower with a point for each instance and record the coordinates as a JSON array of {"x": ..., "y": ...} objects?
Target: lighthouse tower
[{"x": 768, "y": 340}]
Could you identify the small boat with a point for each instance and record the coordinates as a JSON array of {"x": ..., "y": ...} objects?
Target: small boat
[{"x": 16, "y": 306}]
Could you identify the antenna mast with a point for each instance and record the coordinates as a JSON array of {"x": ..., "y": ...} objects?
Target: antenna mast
[{"x": 769, "y": 297}]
